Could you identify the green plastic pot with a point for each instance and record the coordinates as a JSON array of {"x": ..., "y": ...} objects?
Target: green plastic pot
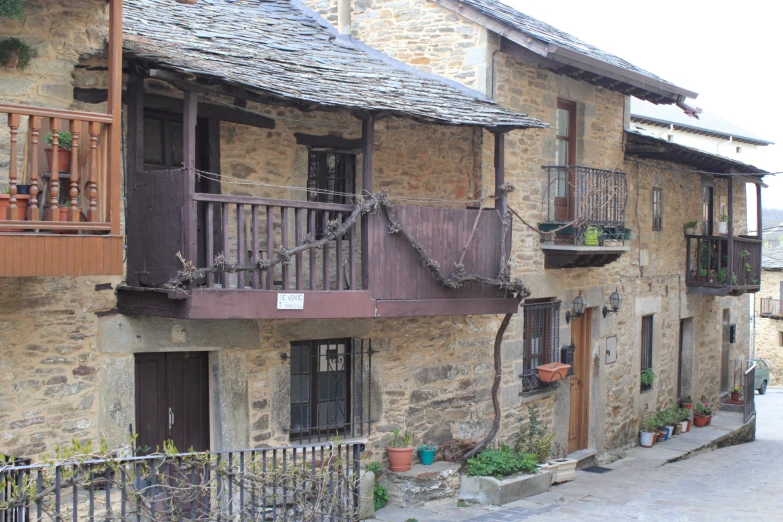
[
  {"x": 427, "y": 454},
  {"x": 591, "y": 236}
]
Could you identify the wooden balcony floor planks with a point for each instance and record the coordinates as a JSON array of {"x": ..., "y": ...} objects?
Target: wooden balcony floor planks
[{"x": 49, "y": 255}]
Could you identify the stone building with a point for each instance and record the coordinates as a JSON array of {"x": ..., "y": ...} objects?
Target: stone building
[
  {"x": 204, "y": 135},
  {"x": 768, "y": 339}
]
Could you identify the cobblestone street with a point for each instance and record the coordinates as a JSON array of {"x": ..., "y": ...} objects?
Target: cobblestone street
[{"x": 741, "y": 482}]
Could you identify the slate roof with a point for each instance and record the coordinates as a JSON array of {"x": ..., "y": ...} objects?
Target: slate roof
[
  {"x": 772, "y": 258},
  {"x": 556, "y": 38},
  {"x": 282, "y": 49},
  {"x": 707, "y": 123}
]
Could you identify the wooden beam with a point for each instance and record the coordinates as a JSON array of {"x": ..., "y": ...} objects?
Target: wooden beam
[
  {"x": 135, "y": 123},
  {"x": 208, "y": 110},
  {"x": 729, "y": 267},
  {"x": 115, "y": 110},
  {"x": 328, "y": 141},
  {"x": 189, "y": 119},
  {"x": 758, "y": 211},
  {"x": 368, "y": 150},
  {"x": 500, "y": 172}
]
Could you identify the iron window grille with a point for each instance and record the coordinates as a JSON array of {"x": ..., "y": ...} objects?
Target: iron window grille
[
  {"x": 647, "y": 344},
  {"x": 330, "y": 389},
  {"x": 540, "y": 342},
  {"x": 331, "y": 178},
  {"x": 657, "y": 208}
]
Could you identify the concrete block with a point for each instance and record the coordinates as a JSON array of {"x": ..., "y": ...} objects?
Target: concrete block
[
  {"x": 422, "y": 484},
  {"x": 489, "y": 490},
  {"x": 366, "y": 502}
]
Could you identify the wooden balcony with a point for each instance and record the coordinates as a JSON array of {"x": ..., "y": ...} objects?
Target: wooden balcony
[
  {"x": 771, "y": 309},
  {"x": 58, "y": 217},
  {"x": 585, "y": 222},
  {"x": 722, "y": 265},
  {"x": 367, "y": 272}
]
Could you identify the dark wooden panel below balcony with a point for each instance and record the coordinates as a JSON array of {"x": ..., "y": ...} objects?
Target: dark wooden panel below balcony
[
  {"x": 49, "y": 255},
  {"x": 576, "y": 256}
]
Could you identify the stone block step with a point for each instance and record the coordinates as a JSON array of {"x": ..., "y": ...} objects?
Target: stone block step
[{"x": 585, "y": 458}]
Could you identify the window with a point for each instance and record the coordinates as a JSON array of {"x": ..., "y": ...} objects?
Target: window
[
  {"x": 540, "y": 339},
  {"x": 706, "y": 209},
  {"x": 670, "y": 137},
  {"x": 565, "y": 142},
  {"x": 329, "y": 392},
  {"x": 162, "y": 140},
  {"x": 657, "y": 208},
  {"x": 331, "y": 178},
  {"x": 647, "y": 346},
  {"x": 739, "y": 150}
]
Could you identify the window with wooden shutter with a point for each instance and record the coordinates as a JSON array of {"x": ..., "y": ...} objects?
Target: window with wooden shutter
[
  {"x": 647, "y": 344},
  {"x": 657, "y": 208}
]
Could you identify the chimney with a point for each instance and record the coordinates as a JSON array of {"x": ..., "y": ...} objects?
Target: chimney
[{"x": 344, "y": 17}]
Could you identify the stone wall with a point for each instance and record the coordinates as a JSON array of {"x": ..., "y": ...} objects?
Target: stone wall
[{"x": 768, "y": 331}]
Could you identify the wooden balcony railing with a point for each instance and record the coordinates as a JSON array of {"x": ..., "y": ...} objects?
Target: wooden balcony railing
[
  {"x": 55, "y": 214},
  {"x": 719, "y": 265},
  {"x": 771, "y": 308}
]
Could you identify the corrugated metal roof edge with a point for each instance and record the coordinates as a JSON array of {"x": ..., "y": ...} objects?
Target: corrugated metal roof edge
[{"x": 645, "y": 119}]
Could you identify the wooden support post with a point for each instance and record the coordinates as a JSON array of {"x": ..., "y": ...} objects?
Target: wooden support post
[
  {"x": 74, "y": 211},
  {"x": 13, "y": 211},
  {"x": 500, "y": 173},
  {"x": 115, "y": 109},
  {"x": 135, "y": 145},
  {"x": 730, "y": 250},
  {"x": 54, "y": 174},
  {"x": 758, "y": 211},
  {"x": 35, "y": 129},
  {"x": 368, "y": 149},
  {"x": 189, "y": 118}
]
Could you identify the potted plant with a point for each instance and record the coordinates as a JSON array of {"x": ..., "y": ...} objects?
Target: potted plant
[
  {"x": 685, "y": 415},
  {"x": 427, "y": 454},
  {"x": 647, "y": 379},
  {"x": 702, "y": 275},
  {"x": 552, "y": 372},
  {"x": 563, "y": 469},
  {"x": 647, "y": 431},
  {"x": 690, "y": 227},
  {"x": 687, "y": 402},
  {"x": 400, "y": 450},
  {"x": 723, "y": 224},
  {"x": 15, "y": 54},
  {"x": 63, "y": 151},
  {"x": 702, "y": 414},
  {"x": 670, "y": 422},
  {"x": 735, "y": 393}
]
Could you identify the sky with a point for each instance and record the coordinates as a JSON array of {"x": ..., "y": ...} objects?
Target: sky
[{"x": 731, "y": 53}]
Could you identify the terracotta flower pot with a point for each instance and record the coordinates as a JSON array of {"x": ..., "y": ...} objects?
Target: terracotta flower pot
[
  {"x": 552, "y": 372},
  {"x": 689, "y": 406},
  {"x": 655, "y": 438},
  {"x": 399, "y": 458},
  {"x": 63, "y": 159},
  {"x": 701, "y": 421},
  {"x": 735, "y": 396}
]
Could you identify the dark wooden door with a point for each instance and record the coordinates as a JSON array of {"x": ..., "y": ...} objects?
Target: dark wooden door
[
  {"x": 172, "y": 400},
  {"x": 580, "y": 384}
]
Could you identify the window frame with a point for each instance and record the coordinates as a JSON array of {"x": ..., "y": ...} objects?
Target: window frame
[
  {"x": 657, "y": 209},
  {"x": 570, "y": 107},
  {"x": 550, "y": 330},
  {"x": 647, "y": 348},
  {"x": 313, "y": 173}
]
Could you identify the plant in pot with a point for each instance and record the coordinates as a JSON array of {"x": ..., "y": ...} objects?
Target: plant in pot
[
  {"x": 647, "y": 379},
  {"x": 689, "y": 227},
  {"x": 15, "y": 54},
  {"x": 427, "y": 454},
  {"x": 670, "y": 422},
  {"x": 723, "y": 224},
  {"x": 660, "y": 420},
  {"x": 647, "y": 430},
  {"x": 687, "y": 402},
  {"x": 685, "y": 423},
  {"x": 735, "y": 393},
  {"x": 702, "y": 414},
  {"x": 400, "y": 450},
  {"x": 63, "y": 151},
  {"x": 702, "y": 275}
]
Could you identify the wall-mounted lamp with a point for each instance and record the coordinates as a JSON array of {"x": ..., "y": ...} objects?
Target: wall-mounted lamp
[
  {"x": 578, "y": 306},
  {"x": 614, "y": 300}
]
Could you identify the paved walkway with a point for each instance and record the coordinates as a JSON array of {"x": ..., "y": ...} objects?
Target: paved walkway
[{"x": 741, "y": 482}]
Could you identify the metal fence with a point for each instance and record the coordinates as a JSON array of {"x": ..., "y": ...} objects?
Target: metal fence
[{"x": 296, "y": 483}]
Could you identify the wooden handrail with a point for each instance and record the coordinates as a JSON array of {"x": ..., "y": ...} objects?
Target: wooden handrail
[
  {"x": 26, "y": 110},
  {"x": 54, "y": 225},
  {"x": 249, "y": 200}
]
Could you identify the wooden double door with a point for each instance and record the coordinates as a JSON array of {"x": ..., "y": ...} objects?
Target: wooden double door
[
  {"x": 172, "y": 400},
  {"x": 581, "y": 336}
]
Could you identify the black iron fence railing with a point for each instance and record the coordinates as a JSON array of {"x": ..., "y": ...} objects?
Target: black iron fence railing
[
  {"x": 306, "y": 482},
  {"x": 749, "y": 387},
  {"x": 591, "y": 202},
  {"x": 770, "y": 307}
]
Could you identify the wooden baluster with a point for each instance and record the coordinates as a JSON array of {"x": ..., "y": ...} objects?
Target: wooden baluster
[
  {"x": 298, "y": 239},
  {"x": 241, "y": 251},
  {"x": 284, "y": 241},
  {"x": 13, "y": 211},
  {"x": 311, "y": 228},
  {"x": 92, "y": 187},
  {"x": 325, "y": 228},
  {"x": 35, "y": 129},
  {"x": 209, "y": 242},
  {"x": 352, "y": 256},
  {"x": 74, "y": 193},
  {"x": 54, "y": 175},
  {"x": 225, "y": 211},
  {"x": 339, "y": 254},
  {"x": 254, "y": 254},
  {"x": 270, "y": 248}
]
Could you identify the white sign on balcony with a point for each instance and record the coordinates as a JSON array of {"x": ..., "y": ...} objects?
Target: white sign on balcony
[{"x": 290, "y": 301}]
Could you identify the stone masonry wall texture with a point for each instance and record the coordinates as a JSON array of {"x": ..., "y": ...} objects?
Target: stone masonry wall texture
[{"x": 768, "y": 331}]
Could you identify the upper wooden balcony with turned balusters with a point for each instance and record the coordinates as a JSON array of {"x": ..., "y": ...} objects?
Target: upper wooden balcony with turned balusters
[{"x": 59, "y": 207}]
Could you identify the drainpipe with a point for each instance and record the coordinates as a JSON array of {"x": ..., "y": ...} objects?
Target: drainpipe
[{"x": 344, "y": 17}]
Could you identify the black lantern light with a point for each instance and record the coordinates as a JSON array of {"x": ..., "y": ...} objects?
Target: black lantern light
[
  {"x": 579, "y": 305},
  {"x": 614, "y": 300}
]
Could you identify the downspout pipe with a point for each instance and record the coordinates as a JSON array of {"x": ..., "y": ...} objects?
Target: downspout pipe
[{"x": 344, "y": 18}]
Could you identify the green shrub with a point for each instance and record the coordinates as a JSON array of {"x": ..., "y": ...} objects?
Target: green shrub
[
  {"x": 11, "y": 10},
  {"x": 379, "y": 495},
  {"x": 375, "y": 467},
  {"x": 64, "y": 141},
  {"x": 500, "y": 463},
  {"x": 648, "y": 378},
  {"x": 10, "y": 45},
  {"x": 402, "y": 439}
]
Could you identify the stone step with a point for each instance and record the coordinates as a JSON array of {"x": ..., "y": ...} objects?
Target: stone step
[
  {"x": 422, "y": 484},
  {"x": 585, "y": 458}
]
